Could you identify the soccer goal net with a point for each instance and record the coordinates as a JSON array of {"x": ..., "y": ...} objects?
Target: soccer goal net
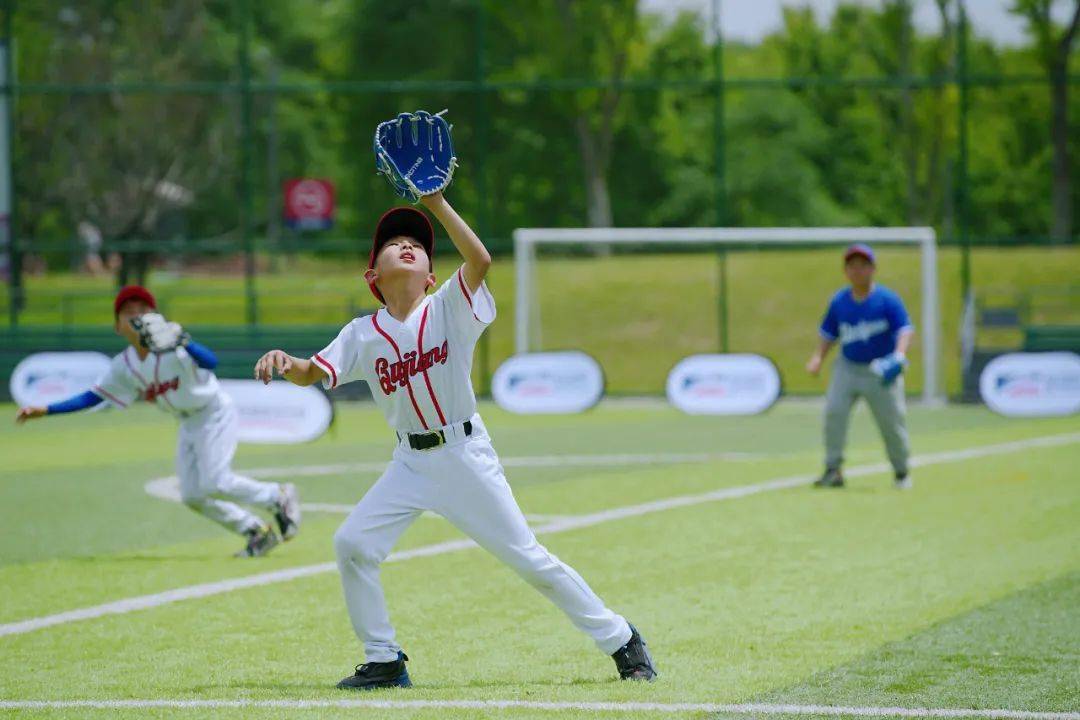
[{"x": 640, "y": 299}]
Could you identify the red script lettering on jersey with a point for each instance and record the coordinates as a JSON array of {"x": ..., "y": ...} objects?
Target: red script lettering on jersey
[
  {"x": 393, "y": 375},
  {"x": 160, "y": 389}
]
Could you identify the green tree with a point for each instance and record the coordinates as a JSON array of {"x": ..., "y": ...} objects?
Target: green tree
[
  {"x": 1054, "y": 48},
  {"x": 121, "y": 160},
  {"x": 591, "y": 39}
]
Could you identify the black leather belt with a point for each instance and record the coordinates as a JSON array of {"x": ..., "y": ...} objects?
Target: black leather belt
[{"x": 433, "y": 438}]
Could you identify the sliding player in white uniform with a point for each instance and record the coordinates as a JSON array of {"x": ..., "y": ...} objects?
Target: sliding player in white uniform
[
  {"x": 164, "y": 366},
  {"x": 416, "y": 355}
]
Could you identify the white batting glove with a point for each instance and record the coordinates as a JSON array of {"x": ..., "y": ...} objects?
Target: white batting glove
[{"x": 889, "y": 368}]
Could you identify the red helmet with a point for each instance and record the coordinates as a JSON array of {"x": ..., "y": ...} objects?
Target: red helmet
[
  {"x": 132, "y": 292},
  {"x": 397, "y": 222}
]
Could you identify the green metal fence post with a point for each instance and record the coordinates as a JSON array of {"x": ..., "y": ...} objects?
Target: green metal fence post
[
  {"x": 483, "y": 224},
  {"x": 15, "y": 285},
  {"x": 719, "y": 129},
  {"x": 721, "y": 299},
  {"x": 244, "y": 60},
  {"x": 962, "y": 211}
]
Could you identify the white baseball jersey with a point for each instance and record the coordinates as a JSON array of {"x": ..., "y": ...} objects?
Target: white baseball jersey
[
  {"x": 419, "y": 374},
  {"x": 173, "y": 380},
  {"x": 419, "y": 370}
]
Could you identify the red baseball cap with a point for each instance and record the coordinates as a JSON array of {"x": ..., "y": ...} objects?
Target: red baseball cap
[
  {"x": 132, "y": 292},
  {"x": 860, "y": 250},
  {"x": 397, "y": 222}
]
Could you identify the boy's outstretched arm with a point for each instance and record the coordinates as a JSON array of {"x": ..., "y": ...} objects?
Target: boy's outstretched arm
[
  {"x": 83, "y": 401},
  {"x": 203, "y": 356},
  {"x": 298, "y": 371},
  {"x": 477, "y": 258}
]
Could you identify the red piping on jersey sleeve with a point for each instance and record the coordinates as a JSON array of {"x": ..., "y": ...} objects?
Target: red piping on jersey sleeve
[
  {"x": 427, "y": 380},
  {"x": 327, "y": 366},
  {"x": 98, "y": 390},
  {"x": 465, "y": 292},
  {"x": 408, "y": 385}
]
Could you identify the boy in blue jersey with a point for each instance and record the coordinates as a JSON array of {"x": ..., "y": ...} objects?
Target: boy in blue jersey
[{"x": 874, "y": 332}]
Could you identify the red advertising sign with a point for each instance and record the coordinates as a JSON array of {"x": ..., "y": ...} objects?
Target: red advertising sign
[{"x": 309, "y": 204}]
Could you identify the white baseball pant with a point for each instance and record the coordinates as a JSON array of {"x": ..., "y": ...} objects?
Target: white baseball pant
[
  {"x": 208, "y": 485},
  {"x": 463, "y": 482}
]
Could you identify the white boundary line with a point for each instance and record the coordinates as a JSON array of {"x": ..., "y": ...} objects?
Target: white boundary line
[
  {"x": 143, "y": 602},
  {"x": 736, "y": 708},
  {"x": 525, "y": 461},
  {"x": 168, "y": 488}
]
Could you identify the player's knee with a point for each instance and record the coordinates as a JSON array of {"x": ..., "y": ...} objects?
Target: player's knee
[
  {"x": 534, "y": 564},
  {"x": 357, "y": 547},
  {"x": 836, "y": 414},
  {"x": 193, "y": 499},
  {"x": 222, "y": 482}
]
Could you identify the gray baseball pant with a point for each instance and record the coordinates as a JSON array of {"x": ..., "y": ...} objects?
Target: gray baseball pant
[{"x": 853, "y": 380}]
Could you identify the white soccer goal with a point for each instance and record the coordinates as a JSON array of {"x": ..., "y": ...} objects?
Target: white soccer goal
[{"x": 526, "y": 240}]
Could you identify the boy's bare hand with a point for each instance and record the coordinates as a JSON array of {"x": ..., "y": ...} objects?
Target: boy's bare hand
[
  {"x": 29, "y": 412},
  {"x": 813, "y": 365},
  {"x": 274, "y": 361}
]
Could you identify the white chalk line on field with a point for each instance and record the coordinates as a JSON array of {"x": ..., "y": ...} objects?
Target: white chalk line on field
[
  {"x": 523, "y": 461},
  {"x": 168, "y": 488},
  {"x": 202, "y": 590},
  {"x": 597, "y": 707}
]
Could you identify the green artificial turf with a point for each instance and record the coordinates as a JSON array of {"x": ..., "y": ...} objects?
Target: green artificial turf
[{"x": 959, "y": 593}]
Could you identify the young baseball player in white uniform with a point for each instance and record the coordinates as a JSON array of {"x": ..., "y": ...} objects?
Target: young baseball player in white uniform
[
  {"x": 164, "y": 366},
  {"x": 416, "y": 355}
]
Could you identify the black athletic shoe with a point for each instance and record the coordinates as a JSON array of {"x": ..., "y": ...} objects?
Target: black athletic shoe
[
  {"x": 260, "y": 542},
  {"x": 287, "y": 512},
  {"x": 903, "y": 482},
  {"x": 371, "y": 676},
  {"x": 633, "y": 659},
  {"x": 830, "y": 478}
]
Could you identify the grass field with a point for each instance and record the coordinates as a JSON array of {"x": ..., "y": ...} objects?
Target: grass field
[
  {"x": 613, "y": 307},
  {"x": 961, "y": 593}
]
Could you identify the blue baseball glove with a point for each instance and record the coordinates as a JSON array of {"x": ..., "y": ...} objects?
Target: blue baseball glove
[
  {"x": 888, "y": 368},
  {"x": 415, "y": 153}
]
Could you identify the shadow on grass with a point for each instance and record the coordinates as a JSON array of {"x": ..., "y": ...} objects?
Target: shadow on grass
[{"x": 1014, "y": 652}]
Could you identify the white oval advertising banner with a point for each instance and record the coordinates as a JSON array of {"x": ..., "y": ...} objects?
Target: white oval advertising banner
[
  {"x": 1032, "y": 384},
  {"x": 49, "y": 377},
  {"x": 548, "y": 382},
  {"x": 279, "y": 412},
  {"x": 741, "y": 384}
]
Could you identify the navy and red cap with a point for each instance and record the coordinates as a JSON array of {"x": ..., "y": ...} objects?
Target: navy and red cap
[
  {"x": 132, "y": 292},
  {"x": 860, "y": 250},
  {"x": 397, "y": 222}
]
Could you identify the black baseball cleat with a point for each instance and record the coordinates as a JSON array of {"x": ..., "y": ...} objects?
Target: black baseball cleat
[
  {"x": 287, "y": 512},
  {"x": 633, "y": 659},
  {"x": 259, "y": 542},
  {"x": 372, "y": 676},
  {"x": 830, "y": 478}
]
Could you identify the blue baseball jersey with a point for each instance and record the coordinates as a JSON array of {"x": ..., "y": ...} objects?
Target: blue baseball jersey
[{"x": 867, "y": 330}]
